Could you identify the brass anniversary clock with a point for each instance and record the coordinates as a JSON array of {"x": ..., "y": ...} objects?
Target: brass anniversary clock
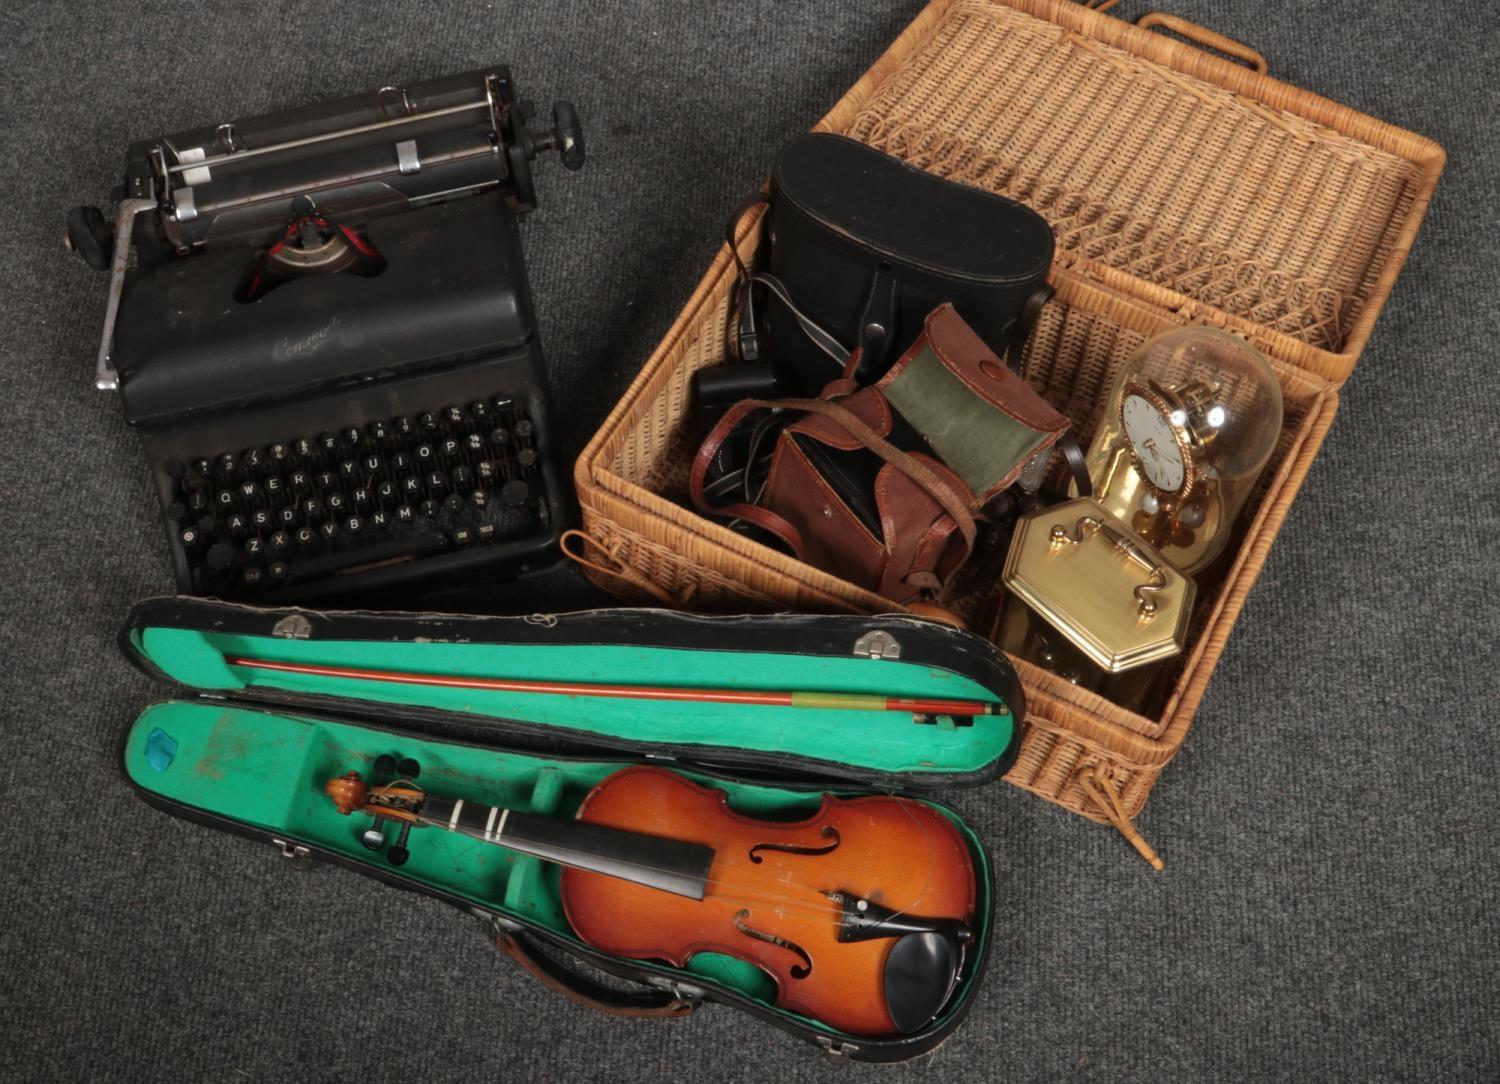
[{"x": 1192, "y": 418}]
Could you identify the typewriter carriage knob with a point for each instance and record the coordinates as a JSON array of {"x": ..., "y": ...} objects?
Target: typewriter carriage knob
[
  {"x": 565, "y": 137},
  {"x": 90, "y": 236}
]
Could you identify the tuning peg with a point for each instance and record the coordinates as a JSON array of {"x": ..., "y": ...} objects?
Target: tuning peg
[
  {"x": 398, "y": 854},
  {"x": 408, "y": 768},
  {"x": 385, "y": 764}
]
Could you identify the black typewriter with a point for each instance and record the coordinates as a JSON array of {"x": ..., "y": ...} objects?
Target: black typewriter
[{"x": 319, "y": 320}]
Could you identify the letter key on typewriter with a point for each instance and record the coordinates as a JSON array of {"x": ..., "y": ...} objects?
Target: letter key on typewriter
[{"x": 320, "y": 323}]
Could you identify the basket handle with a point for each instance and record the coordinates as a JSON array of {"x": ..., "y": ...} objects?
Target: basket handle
[{"x": 1201, "y": 36}]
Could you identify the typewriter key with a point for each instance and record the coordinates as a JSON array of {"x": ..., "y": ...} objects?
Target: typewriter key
[
  {"x": 403, "y": 426},
  {"x": 378, "y": 431},
  {"x": 177, "y": 511},
  {"x": 429, "y": 509},
  {"x": 238, "y": 527},
  {"x": 348, "y": 470},
  {"x": 252, "y": 576},
  {"x": 327, "y": 480},
  {"x": 261, "y": 520},
  {"x": 354, "y": 524},
  {"x": 220, "y": 556},
  {"x": 329, "y": 530},
  {"x": 400, "y": 462},
  {"x": 253, "y": 547},
  {"x": 404, "y": 513},
  {"x": 250, "y": 459},
  {"x": 515, "y": 492},
  {"x": 428, "y": 421},
  {"x": 479, "y": 410},
  {"x": 462, "y": 536},
  {"x": 305, "y": 536},
  {"x": 328, "y": 443},
  {"x": 336, "y": 503},
  {"x": 436, "y": 482},
  {"x": 277, "y": 453},
  {"x": 454, "y": 415},
  {"x": 312, "y": 510},
  {"x": 454, "y": 505},
  {"x": 353, "y": 437},
  {"x": 277, "y": 571},
  {"x": 280, "y": 542},
  {"x": 360, "y": 496}
]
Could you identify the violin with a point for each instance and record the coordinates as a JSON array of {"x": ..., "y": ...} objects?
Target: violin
[{"x": 860, "y": 913}]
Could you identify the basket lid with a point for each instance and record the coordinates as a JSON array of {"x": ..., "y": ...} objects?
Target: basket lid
[{"x": 1167, "y": 173}]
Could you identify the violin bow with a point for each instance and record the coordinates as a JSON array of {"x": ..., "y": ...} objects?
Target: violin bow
[{"x": 844, "y": 701}]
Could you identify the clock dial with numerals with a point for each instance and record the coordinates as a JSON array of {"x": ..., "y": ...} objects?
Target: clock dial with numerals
[{"x": 1158, "y": 444}]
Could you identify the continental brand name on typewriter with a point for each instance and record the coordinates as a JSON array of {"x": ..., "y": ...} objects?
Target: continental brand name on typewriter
[{"x": 319, "y": 321}]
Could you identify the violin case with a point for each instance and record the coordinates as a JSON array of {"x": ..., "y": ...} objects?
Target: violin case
[{"x": 248, "y": 750}]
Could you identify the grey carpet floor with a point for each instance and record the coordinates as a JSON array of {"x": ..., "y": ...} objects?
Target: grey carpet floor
[{"x": 1331, "y": 826}]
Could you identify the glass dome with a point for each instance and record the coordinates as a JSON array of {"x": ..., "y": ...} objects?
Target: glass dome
[{"x": 1190, "y": 422}]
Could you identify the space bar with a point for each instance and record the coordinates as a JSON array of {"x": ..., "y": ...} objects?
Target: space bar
[{"x": 362, "y": 557}]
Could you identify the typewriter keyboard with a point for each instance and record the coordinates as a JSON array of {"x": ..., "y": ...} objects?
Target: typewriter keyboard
[{"x": 256, "y": 519}]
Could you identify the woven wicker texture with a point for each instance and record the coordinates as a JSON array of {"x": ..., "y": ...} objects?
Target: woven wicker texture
[
  {"x": 1183, "y": 188},
  {"x": 1173, "y": 181}
]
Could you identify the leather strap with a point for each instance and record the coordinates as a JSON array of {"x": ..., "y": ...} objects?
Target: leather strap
[
  {"x": 574, "y": 985},
  {"x": 825, "y": 342},
  {"x": 1068, "y": 443},
  {"x": 1021, "y": 330},
  {"x": 763, "y": 518},
  {"x": 747, "y": 341},
  {"x": 905, "y": 462}
]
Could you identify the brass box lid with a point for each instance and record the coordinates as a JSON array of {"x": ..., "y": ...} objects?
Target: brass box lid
[{"x": 1090, "y": 577}]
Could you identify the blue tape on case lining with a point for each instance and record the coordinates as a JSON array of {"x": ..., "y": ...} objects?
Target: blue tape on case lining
[{"x": 161, "y": 747}]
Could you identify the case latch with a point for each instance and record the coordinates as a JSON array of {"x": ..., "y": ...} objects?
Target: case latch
[
  {"x": 839, "y": 1049},
  {"x": 878, "y": 644},
  {"x": 292, "y": 627},
  {"x": 290, "y": 850}
]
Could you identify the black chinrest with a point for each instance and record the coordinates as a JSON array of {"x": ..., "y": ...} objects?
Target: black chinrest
[{"x": 920, "y": 974}]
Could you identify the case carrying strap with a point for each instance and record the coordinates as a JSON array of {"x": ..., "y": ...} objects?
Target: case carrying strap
[{"x": 557, "y": 975}]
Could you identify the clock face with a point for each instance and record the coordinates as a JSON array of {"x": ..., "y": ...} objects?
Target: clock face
[{"x": 1153, "y": 438}]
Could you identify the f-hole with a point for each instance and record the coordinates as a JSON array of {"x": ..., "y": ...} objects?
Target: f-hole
[
  {"x": 798, "y": 971},
  {"x": 829, "y": 832}
]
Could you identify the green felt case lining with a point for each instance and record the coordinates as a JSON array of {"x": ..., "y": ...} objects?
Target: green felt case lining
[
  {"x": 885, "y": 742},
  {"x": 265, "y": 770}
]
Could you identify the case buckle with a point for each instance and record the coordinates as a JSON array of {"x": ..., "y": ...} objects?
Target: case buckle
[
  {"x": 291, "y": 850},
  {"x": 837, "y": 1049},
  {"x": 878, "y": 644},
  {"x": 292, "y": 627}
]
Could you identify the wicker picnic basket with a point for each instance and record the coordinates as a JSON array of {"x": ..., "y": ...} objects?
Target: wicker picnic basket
[{"x": 1183, "y": 188}]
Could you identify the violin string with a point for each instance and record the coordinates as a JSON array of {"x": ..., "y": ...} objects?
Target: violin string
[{"x": 756, "y": 894}]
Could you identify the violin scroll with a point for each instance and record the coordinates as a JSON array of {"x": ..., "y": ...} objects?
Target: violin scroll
[{"x": 348, "y": 792}]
